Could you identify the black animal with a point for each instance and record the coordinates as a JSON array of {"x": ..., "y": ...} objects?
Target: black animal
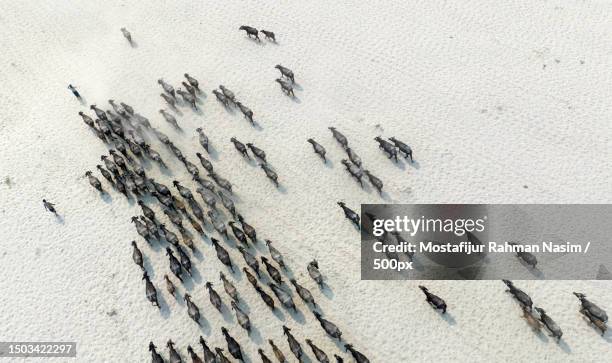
[
  {"x": 339, "y": 137},
  {"x": 250, "y": 31},
  {"x": 174, "y": 356},
  {"x": 320, "y": 150},
  {"x": 192, "y": 309},
  {"x": 338, "y": 359},
  {"x": 262, "y": 355},
  {"x": 242, "y": 317},
  {"x": 318, "y": 352},
  {"x": 354, "y": 170},
  {"x": 387, "y": 147},
  {"x": 529, "y": 258},
  {"x": 257, "y": 151},
  {"x": 240, "y": 236},
  {"x": 232, "y": 345},
  {"x": 214, "y": 297},
  {"x": 205, "y": 162},
  {"x": 359, "y": 357},
  {"x": 169, "y": 285},
  {"x": 222, "y": 254},
  {"x": 229, "y": 288},
  {"x": 221, "y": 98},
  {"x": 155, "y": 357},
  {"x": 350, "y": 214},
  {"x": 434, "y": 300},
  {"x": 272, "y": 271},
  {"x": 49, "y": 206},
  {"x": 264, "y": 296},
  {"x": 519, "y": 294},
  {"x": 150, "y": 290},
  {"x": 277, "y": 352},
  {"x": 185, "y": 262},
  {"x": 209, "y": 356},
  {"x": 294, "y": 346},
  {"x": 330, "y": 328},
  {"x": 78, "y": 95},
  {"x": 269, "y": 35},
  {"x": 221, "y": 358},
  {"x": 405, "y": 149},
  {"x": 175, "y": 265},
  {"x": 193, "y": 355},
  {"x": 593, "y": 309},
  {"x": 250, "y": 260},
  {"x": 248, "y": 229},
  {"x": 203, "y": 138}
]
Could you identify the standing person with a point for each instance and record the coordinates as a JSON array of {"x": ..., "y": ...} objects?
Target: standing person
[
  {"x": 49, "y": 206},
  {"x": 74, "y": 91}
]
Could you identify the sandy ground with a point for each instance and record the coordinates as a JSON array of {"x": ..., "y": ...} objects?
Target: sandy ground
[{"x": 502, "y": 103}]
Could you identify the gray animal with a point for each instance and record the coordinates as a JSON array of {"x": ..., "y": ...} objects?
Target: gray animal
[
  {"x": 228, "y": 203},
  {"x": 188, "y": 98},
  {"x": 252, "y": 279},
  {"x": 221, "y": 358},
  {"x": 272, "y": 271},
  {"x": 222, "y": 182},
  {"x": 550, "y": 324},
  {"x": 217, "y": 223},
  {"x": 203, "y": 138},
  {"x": 271, "y": 174},
  {"x": 99, "y": 112},
  {"x": 376, "y": 182},
  {"x": 283, "y": 296},
  {"x": 137, "y": 256},
  {"x": 192, "y": 309},
  {"x": 191, "y": 89},
  {"x": 238, "y": 233},
  {"x": 174, "y": 356},
  {"x": 404, "y": 148},
  {"x": 214, "y": 297},
  {"x": 519, "y": 294},
  {"x": 285, "y": 72},
  {"x": 169, "y": 118},
  {"x": 209, "y": 356},
  {"x": 286, "y": 86},
  {"x": 127, "y": 35},
  {"x": 227, "y": 93},
  {"x": 277, "y": 352},
  {"x": 353, "y": 157},
  {"x": 205, "y": 162},
  {"x": 94, "y": 182},
  {"x": 313, "y": 271},
  {"x": 318, "y": 148},
  {"x": 221, "y": 98},
  {"x": 184, "y": 192},
  {"x": 304, "y": 293},
  {"x": 350, "y": 214},
  {"x": 248, "y": 229},
  {"x": 294, "y": 346},
  {"x": 240, "y": 147},
  {"x": 167, "y": 88},
  {"x": 264, "y": 296},
  {"x": 262, "y": 355},
  {"x": 387, "y": 147},
  {"x": 358, "y": 356},
  {"x": 170, "y": 100},
  {"x": 242, "y": 317},
  {"x": 169, "y": 285},
  {"x": 248, "y": 114},
  {"x": 229, "y": 288},
  {"x": 148, "y": 212},
  {"x": 192, "y": 81},
  {"x": 330, "y": 328},
  {"x": 222, "y": 254},
  {"x": 319, "y": 354},
  {"x": 250, "y": 260},
  {"x": 269, "y": 35},
  {"x": 169, "y": 235},
  {"x": 127, "y": 108},
  {"x": 354, "y": 170},
  {"x": 257, "y": 151},
  {"x": 528, "y": 257},
  {"x": 342, "y": 140},
  {"x": 88, "y": 120},
  {"x": 232, "y": 345},
  {"x": 250, "y": 31},
  {"x": 434, "y": 300},
  {"x": 185, "y": 261},
  {"x": 175, "y": 265},
  {"x": 276, "y": 255},
  {"x": 593, "y": 309},
  {"x": 150, "y": 290}
]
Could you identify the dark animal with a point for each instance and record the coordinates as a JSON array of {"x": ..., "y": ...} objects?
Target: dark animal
[
  {"x": 434, "y": 300},
  {"x": 519, "y": 294},
  {"x": 320, "y": 150},
  {"x": 269, "y": 35},
  {"x": 250, "y": 31}
]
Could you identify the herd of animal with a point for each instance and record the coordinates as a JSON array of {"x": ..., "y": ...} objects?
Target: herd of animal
[{"x": 129, "y": 136}]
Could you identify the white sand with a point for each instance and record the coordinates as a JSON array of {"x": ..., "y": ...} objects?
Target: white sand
[{"x": 492, "y": 97}]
